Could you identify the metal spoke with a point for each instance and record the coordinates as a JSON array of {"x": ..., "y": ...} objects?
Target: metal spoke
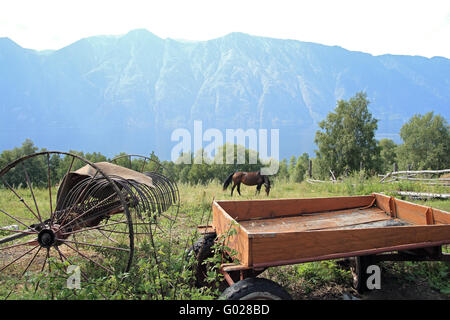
[
  {"x": 110, "y": 239},
  {"x": 61, "y": 255},
  {"x": 92, "y": 245},
  {"x": 32, "y": 193},
  {"x": 86, "y": 257},
  {"x": 19, "y": 231},
  {"x": 93, "y": 228},
  {"x": 17, "y": 220},
  {"x": 30, "y": 242},
  {"x": 49, "y": 189},
  {"x": 4, "y": 267},
  {"x": 122, "y": 232},
  {"x": 88, "y": 201},
  {"x": 43, "y": 267},
  {"x": 20, "y": 198},
  {"x": 29, "y": 264},
  {"x": 26, "y": 269}
]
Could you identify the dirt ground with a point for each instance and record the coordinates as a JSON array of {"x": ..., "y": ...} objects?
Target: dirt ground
[{"x": 394, "y": 286}]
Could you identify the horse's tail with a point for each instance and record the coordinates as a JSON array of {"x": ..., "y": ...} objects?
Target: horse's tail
[{"x": 228, "y": 181}]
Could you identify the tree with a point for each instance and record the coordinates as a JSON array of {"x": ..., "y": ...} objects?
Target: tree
[
  {"x": 35, "y": 167},
  {"x": 283, "y": 172},
  {"x": 300, "y": 168},
  {"x": 347, "y": 138},
  {"x": 292, "y": 164},
  {"x": 426, "y": 142},
  {"x": 388, "y": 154}
]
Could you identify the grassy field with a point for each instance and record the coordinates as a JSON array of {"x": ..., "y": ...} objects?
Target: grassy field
[{"x": 317, "y": 280}]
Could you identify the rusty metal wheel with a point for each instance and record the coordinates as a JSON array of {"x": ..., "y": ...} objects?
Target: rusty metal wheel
[{"x": 58, "y": 210}]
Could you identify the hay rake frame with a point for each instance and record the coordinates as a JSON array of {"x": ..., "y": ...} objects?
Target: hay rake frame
[{"x": 95, "y": 212}]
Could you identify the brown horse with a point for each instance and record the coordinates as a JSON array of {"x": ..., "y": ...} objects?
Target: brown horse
[{"x": 249, "y": 179}]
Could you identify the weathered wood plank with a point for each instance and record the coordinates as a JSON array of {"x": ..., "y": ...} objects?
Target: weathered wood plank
[
  {"x": 222, "y": 223},
  {"x": 299, "y": 245},
  {"x": 256, "y": 209},
  {"x": 333, "y": 219}
]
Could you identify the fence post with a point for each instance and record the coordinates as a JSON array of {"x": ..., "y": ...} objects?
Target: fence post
[
  {"x": 310, "y": 168},
  {"x": 395, "y": 167}
]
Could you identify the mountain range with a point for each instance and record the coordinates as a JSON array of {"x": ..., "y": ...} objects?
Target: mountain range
[{"x": 128, "y": 93}]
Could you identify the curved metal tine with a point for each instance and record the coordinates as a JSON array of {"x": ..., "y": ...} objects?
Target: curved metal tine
[
  {"x": 20, "y": 199},
  {"x": 31, "y": 189},
  {"x": 80, "y": 195},
  {"x": 78, "y": 199},
  {"x": 64, "y": 182},
  {"x": 69, "y": 200},
  {"x": 89, "y": 210}
]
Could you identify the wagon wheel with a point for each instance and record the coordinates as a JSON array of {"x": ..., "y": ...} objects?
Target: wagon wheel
[
  {"x": 255, "y": 289},
  {"x": 45, "y": 226},
  {"x": 202, "y": 250},
  {"x": 358, "y": 267},
  {"x": 164, "y": 200}
]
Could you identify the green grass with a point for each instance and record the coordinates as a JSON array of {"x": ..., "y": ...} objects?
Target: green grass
[{"x": 303, "y": 281}]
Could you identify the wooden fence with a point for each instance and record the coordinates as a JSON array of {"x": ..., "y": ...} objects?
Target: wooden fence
[{"x": 414, "y": 176}]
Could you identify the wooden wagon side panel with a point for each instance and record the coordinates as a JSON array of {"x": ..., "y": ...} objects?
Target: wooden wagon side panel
[
  {"x": 223, "y": 223},
  {"x": 411, "y": 212},
  {"x": 254, "y": 209},
  {"x": 383, "y": 202},
  {"x": 286, "y": 248},
  {"x": 441, "y": 217}
]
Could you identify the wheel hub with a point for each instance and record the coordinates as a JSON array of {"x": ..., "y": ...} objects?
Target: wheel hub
[{"x": 46, "y": 238}]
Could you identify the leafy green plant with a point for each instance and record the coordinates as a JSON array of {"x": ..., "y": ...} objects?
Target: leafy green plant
[
  {"x": 316, "y": 274},
  {"x": 222, "y": 254}
]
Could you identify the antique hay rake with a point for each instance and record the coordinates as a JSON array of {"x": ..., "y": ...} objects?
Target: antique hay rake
[{"x": 93, "y": 217}]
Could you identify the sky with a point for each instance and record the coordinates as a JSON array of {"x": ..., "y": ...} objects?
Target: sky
[{"x": 407, "y": 27}]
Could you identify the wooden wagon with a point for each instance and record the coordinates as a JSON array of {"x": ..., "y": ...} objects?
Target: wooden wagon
[{"x": 279, "y": 232}]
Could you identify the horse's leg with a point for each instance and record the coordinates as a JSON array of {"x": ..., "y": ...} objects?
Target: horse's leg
[
  {"x": 239, "y": 188},
  {"x": 258, "y": 189},
  {"x": 232, "y": 189}
]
